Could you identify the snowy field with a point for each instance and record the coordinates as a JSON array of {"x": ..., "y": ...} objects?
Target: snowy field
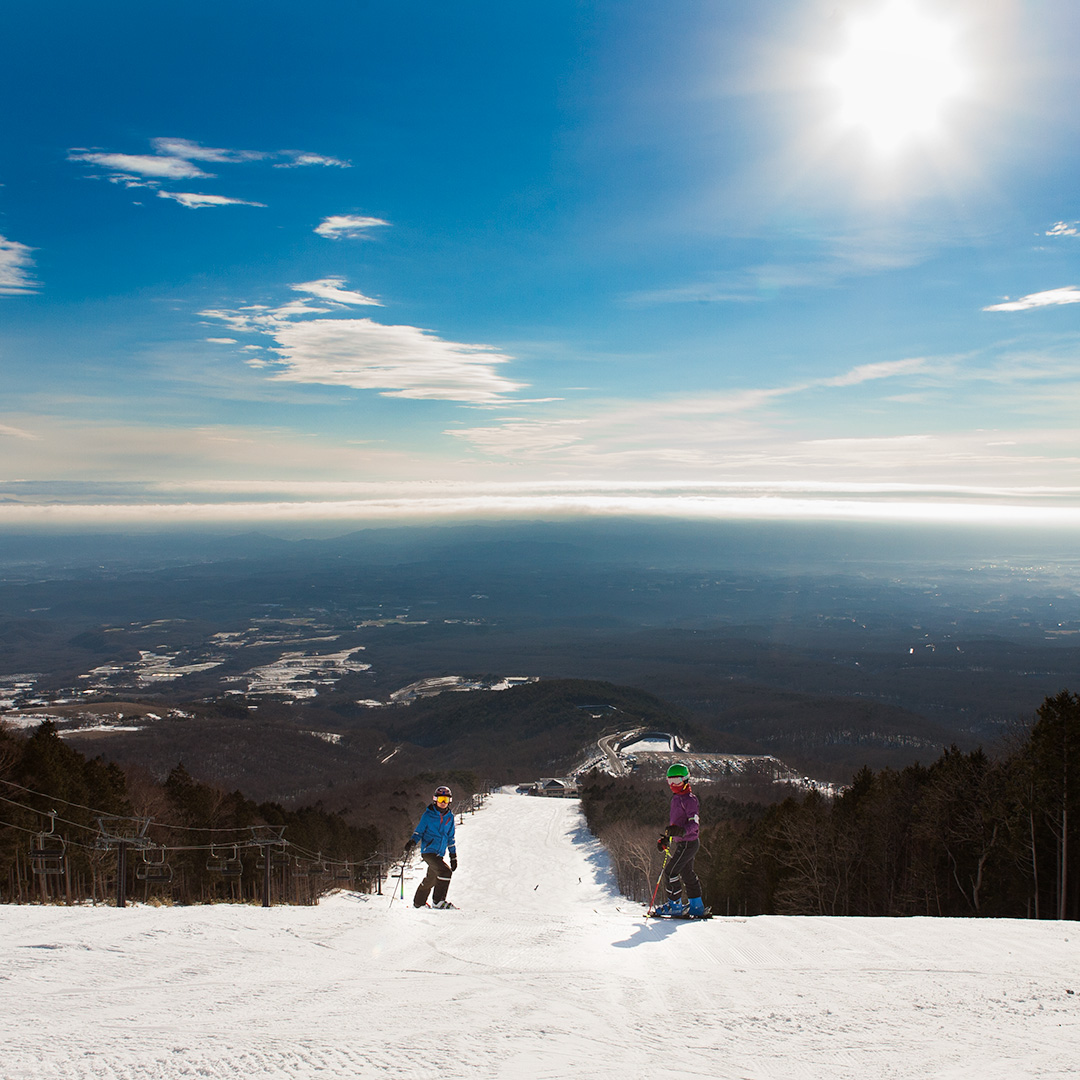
[{"x": 540, "y": 974}]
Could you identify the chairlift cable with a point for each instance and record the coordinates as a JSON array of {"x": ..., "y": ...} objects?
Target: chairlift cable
[
  {"x": 119, "y": 817},
  {"x": 35, "y": 810},
  {"x": 37, "y": 832},
  {"x": 67, "y": 802}
]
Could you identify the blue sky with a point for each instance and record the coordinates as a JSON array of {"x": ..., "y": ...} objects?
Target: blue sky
[{"x": 373, "y": 261}]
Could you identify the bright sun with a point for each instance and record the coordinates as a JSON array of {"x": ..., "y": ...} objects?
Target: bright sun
[{"x": 898, "y": 71}]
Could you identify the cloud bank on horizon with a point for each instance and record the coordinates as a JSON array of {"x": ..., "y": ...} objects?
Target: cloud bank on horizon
[{"x": 793, "y": 245}]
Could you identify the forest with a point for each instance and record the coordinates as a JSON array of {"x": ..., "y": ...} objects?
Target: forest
[
  {"x": 74, "y": 829},
  {"x": 968, "y": 835}
]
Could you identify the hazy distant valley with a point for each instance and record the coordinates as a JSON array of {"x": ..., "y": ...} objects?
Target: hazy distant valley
[{"x": 827, "y": 648}]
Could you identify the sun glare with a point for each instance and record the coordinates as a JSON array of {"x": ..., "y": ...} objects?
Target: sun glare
[{"x": 898, "y": 71}]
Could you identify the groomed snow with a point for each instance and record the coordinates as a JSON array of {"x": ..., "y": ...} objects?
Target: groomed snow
[{"x": 539, "y": 975}]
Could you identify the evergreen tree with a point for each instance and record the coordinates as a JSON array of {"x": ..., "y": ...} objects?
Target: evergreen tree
[{"x": 1054, "y": 760}]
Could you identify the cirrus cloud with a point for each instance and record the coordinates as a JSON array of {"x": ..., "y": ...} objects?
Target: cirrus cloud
[
  {"x": 1068, "y": 294},
  {"x": 192, "y": 151},
  {"x": 350, "y": 226},
  {"x": 149, "y": 166},
  {"x": 174, "y": 159},
  {"x": 195, "y": 201},
  {"x": 16, "y": 278},
  {"x": 299, "y": 159},
  {"x": 397, "y": 361},
  {"x": 332, "y": 288}
]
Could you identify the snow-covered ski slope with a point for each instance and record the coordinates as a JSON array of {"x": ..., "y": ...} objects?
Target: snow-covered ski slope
[{"x": 539, "y": 974}]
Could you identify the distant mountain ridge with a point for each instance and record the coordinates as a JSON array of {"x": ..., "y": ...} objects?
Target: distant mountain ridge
[{"x": 829, "y": 648}]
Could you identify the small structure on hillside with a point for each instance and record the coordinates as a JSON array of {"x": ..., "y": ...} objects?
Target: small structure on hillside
[
  {"x": 559, "y": 787},
  {"x": 652, "y": 742}
]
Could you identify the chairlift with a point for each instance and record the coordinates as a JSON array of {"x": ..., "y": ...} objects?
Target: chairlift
[
  {"x": 229, "y": 867},
  {"x": 344, "y": 873},
  {"x": 154, "y": 871},
  {"x": 277, "y": 858},
  {"x": 48, "y": 851},
  {"x": 318, "y": 866}
]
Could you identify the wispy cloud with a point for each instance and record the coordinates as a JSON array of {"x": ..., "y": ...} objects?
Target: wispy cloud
[
  {"x": 1064, "y": 228},
  {"x": 124, "y": 167},
  {"x": 174, "y": 159},
  {"x": 195, "y": 201},
  {"x": 817, "y": 263},
  {"x": 348, "y": 226},
  {"x": 888, "y": 369},
  {"x": 694, "y": 430},
  {"x": 299, "y": 159},
  {"x": 397, "y": 361},
  {"x": 524, "y": 438},
  {"x": 332, "y": 288},
  {"x": 1069, "y": 294},
  {"x": 192, "y": 151},
  {"x": 16, "y": 275},
  {"x": 8, "y": 432}
]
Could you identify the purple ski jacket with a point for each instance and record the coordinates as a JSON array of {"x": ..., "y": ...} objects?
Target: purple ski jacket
[{"x": 684, "y": 812}]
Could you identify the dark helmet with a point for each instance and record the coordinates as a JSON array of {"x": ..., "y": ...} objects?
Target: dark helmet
[{"x": 443, "y": 795}]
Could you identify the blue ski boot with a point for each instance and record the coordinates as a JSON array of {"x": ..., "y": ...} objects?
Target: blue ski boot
[
  {"x": 697, "y": 908},
  {"x": 672, "y": 907}
]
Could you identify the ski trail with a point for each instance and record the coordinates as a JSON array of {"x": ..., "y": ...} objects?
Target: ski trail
[{"x": 538, "y": 975}]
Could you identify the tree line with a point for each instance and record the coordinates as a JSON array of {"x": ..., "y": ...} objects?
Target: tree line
[
  {"x": 969, "y": 835},
  {"x": 74, "y": 829}
]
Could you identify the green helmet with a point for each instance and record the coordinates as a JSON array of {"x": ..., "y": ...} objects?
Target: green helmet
[{"x": 678, "y": 771}]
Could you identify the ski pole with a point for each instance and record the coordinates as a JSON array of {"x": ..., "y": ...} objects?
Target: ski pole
[
  {"x": 401, "y": 878},
  {"x": 663, "y": 867}
]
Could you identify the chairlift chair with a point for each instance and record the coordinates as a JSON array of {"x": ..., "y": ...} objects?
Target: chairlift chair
[
  {"x": 48, "y": 851},
  {"x": 277, "y": 858},
  {"x": 154, "y": 871},
  {"x": 227, "y": 866}
]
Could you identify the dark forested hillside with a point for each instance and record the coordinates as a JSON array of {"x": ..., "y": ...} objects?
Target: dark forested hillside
[
  {"x": 536, "y": 728},
  {"x": 73, "y": 828},
  {"x": 281, "y": 752},
  {"x": 967, "y": 834}
]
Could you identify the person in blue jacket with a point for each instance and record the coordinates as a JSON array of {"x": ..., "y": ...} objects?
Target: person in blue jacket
[{"x": 435, "y": 835}]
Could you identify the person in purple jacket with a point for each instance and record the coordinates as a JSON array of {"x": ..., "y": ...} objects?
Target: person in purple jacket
[{"x": 681, "y": 842}]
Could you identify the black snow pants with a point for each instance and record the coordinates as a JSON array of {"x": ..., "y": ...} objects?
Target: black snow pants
[
  {"x": 437, "y": 878},
  {"x": 680, "y": 871}
]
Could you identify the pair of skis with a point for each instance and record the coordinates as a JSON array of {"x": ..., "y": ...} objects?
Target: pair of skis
[
  {"x": 685, "y": 917},
  {"x": 652, "y": 913}
]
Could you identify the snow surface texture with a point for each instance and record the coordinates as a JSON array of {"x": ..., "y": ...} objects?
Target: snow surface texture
[{"x": 539, "y": 975}]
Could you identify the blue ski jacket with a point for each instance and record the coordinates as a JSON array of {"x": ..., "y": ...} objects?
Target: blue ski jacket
[{"x": 435, "y": 833}]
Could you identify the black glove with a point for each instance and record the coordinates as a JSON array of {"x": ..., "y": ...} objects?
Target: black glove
[
  {"x": 661, "y": 844},
  {"x": 676, "y": 830},
  {"x": 410, "y": 847},
  {"x": 453, "y": 862}
]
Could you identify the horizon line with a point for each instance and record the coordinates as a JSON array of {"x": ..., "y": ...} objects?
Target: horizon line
[{"x": 415, "y": 509}]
